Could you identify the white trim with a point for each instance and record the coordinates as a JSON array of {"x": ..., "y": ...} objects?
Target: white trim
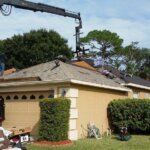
[
  {"x": 64, "y": 81},
  {"x": 73, "y": 102},
  {"x": 73, "y": 135},
  {"x": 137, "y": 86},
  {"x": 100, "y": 85},
  {"x": 72, "y": 124},
  {"x": 73, "y": 113}
]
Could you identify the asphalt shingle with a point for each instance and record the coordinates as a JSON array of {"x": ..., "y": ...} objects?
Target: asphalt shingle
[{"x": 51, "y": 72}]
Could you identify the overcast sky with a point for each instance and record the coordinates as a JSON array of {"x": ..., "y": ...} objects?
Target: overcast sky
[{"x": 130, "y": 19}]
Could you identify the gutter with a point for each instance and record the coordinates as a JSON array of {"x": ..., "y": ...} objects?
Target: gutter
[
  {"x": 100, "y": 86},
  {"x": 12, "y": 84},
  {"x": 137, "y": 86}
]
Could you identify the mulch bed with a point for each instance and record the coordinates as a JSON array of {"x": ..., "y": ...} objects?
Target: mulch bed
[{"x": 50, "y": 143}]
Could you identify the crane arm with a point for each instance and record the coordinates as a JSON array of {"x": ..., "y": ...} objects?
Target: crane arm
[{"x": 23, "y": 4}]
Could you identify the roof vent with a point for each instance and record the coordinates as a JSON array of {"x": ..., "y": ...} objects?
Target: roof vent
[
  {"x": 57, "y": 62},
  {"x": 61, "y": 58}
]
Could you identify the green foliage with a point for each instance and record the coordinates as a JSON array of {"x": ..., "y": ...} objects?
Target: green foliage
[
  {"x": 131, "y": 113},
  {"x": 104, "y": 41},
  {"x": 136, "y": 60},
  {"x": 108, "y": 45},
  {"x": 54, "y": 119},
  {"x": 34, "y": 48}
]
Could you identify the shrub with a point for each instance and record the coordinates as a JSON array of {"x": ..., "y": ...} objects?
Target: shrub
[
  {"x": 132, "y": 113},
  {"x": 54, "y": 119}
]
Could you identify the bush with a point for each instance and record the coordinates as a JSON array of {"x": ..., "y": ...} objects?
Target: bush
[
  {"x": 131, "y": 113},
  {"x": 54, "y": 119}
]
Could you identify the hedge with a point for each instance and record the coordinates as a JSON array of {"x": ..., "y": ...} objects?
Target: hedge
[
  {"x": 54, "y": 119},
  {"x": 131, "y": 113}
]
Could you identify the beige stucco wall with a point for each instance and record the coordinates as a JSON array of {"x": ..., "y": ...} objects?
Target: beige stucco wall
[
  {"x": 89, "y": 105},
  {"x": 142, "y": 92},
  {"x": 22, "y": 113},
  {"x": 92, "y": 107}
]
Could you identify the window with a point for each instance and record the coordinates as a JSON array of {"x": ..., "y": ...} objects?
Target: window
[
  {"x": 135, "y": 94},
  {"x": 51, "y": 95},
  {"x": 24, "y": 97},
  {"x": 16, "y": 97},
  {"x": 41, "y": 97},
  {"x": 8, "y": 98},
  {"x": 32, "y": 97}
]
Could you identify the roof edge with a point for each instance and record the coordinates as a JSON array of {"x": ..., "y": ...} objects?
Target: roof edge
[
  {"x": 64, "y": 81},
  {"x": 32, "y": 83},
  {"x": 100, "y": 85},
  {"x": 137, "y": 86}
]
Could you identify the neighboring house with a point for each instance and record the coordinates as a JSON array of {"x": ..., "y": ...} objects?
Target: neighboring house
[
  {"x": 9, "y": 71},
  {"x": 83, "y": 64},
  {"x": 89, "y": 92},
  {"x": 140, "y": 87}
]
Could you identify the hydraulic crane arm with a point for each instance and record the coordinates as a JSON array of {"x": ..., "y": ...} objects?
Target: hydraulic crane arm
[{"x": 22, "y": 4}]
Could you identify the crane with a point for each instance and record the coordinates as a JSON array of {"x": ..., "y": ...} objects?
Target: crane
[{"x": 27, "y": 5}]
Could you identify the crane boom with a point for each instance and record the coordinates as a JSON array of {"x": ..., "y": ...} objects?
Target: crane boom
[{"x": 22, "y": 4}]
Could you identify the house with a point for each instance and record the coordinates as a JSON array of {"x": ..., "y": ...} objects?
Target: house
[
  {"x": 140, "y": 87},
  {"x": 83, "y": 64},
  {"x": 89, "y": 92},
  {"x": 9, "y": 71}
]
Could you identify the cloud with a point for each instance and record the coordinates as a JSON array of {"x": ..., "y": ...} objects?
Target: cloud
[
  {"x": 129, "y": 19},
  {"x": 126, "y": 29}
]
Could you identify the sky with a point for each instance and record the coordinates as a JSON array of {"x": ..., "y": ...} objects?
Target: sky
[{"x": 130, "y": 19}]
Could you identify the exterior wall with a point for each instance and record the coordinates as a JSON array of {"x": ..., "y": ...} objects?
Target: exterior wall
[
  {"x": 88, "y": 104},
  {"x": 92, "y": 107},
  {"x": 143, "y": 93},
  {"x": 22, "y": 113}
]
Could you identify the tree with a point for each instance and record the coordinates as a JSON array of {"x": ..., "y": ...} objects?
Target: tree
[
  {"x": 136, "y": 60},
  {"x": 131, "y": 59},
  {"x": 131, "y": 55},
  {"x": 106, "y": 42},
  {"x": 34, "y": 48},
  {"x": 144, "y": 70}
]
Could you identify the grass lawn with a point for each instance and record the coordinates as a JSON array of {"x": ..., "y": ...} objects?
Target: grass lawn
[{"x": 107, "y": 143}]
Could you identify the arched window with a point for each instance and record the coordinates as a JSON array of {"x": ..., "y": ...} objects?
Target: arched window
[
  {"x": 24, "y": 97},
  {"x": 8, "y": 97},
  {"x": 16, "y": 97},
  {"x": 41, "y": 97},
  {"x": 32, "y": 97},
  {"x": 51, "y": 96}
]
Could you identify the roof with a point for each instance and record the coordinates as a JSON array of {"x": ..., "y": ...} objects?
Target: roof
[
  {"x": 138, "y": 82},
  {"x": 9, "y": 71},
  {"x": 83, "y": 64},
  {"x": 128, "y": 80},
  {"x": 60, "y": 71}
]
